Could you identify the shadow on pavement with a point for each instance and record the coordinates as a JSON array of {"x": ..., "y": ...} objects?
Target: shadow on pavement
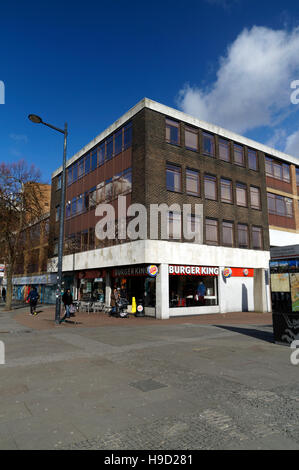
[{"x": 254, "y": 333}]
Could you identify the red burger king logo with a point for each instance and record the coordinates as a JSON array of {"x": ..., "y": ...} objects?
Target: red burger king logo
[{"x": 152, "y": 270}]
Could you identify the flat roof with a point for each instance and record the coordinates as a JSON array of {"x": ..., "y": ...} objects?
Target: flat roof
[{"x": 179, "y": 115}]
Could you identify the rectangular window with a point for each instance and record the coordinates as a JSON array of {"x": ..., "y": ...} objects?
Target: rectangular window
[
  {"x": 255, "y": 197},
  {"x": 92, "y": 197},
  {"x": 173, "y": 178},
  {"x": 252, "y": 160},
  {"x": 280, "y": 205},
  {"x": 241, "y": 195},
  {"x": 57, "y": 213},
  {"x": 102, "y": 154},
  {"x": 210, "y": 186},
  {"x": 286, "y": 173},
  {"x": 172, "y": 132},
  {"x": 86, "y": 200},
  {"x": 75, "y": 172},
  {"x": 224, "y": 153},
  {"x": 81, "y": 168},
  {"x": 211, "y": 232},
  {"x": 80, "y": 204},
  {"x": 84, "y": 240},
  {"x": 128, "y": 136},
  {"x": 242, "y": 236},
  {"x": 191, "y": 138},
  {"x": 208, "y": 144},
  {"x": 87, "y": 163},
  {"x": 94, "y": 159},
  {"x": 108, "y": 190},
  {"x": 74, "y": 205},
  {"x": 228, "y": 233},
  {"x": 58, "y": 182},
  {"x": 192, "y": 182},
  {"x": 118, "y": 141},
  {"x": 277, "y": 170},
  {"x": 68, "y": 209},
  {"x": 269, "y": 167},
  {"x": 109, "y": 148},
  {"x": 91, "y": 239},
  {"x": 297, "y": 176},
  {"x": 226, "y": 191},
  {"x": 174, "y": 225},
  {"x": 239, "y": 158},
  {"x": 101, "y": 192},
  {"x": 257, "y": 238},
  {"x": 126, "y": 186},
  {"x": 69, "y": 175},
  {"x": 116, "y": 185}
]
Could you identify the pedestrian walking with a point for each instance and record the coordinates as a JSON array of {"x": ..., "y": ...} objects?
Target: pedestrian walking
[
  {"x": 33, "y": 298},
  {"x": 67, "y": 299},
  {"x": 4, "y": 294}
]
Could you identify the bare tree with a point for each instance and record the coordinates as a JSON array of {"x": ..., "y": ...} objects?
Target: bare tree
[{"x": 21, "y": 204}]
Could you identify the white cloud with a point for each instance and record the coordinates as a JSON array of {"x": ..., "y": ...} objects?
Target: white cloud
[
  {"x": 252, "y": 88},
  {"x": 292, "y": 144}
]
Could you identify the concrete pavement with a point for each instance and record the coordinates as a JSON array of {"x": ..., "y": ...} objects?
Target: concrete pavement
[{"x": 147, "y": 385}]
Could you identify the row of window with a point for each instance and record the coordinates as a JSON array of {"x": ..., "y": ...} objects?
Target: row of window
[
  {"x": 280, "y": 205},
  {"x": 106, "y": 150},
  {"x": 192, "y": 142},
  {"x": 278, "y": 170},
  {"x": 219, "y": 233},
  {"x": 224, "y": 233},
  {"x": 227, "y": 194},
  {"x": 226, "y": 236},
  {"x": 104, "y": 192}
]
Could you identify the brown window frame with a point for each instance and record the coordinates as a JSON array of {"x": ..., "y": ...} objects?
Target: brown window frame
[
  {"x": 221, "y": 142},
  {"x": 259, "y": 207},
  {"x": 238, "y": 147},
  {"x": 223, "y": 199},
  {"x": 211, "y": 178},
  {"x": 192, "y": 193},
  {"x": 242, "y": 186},
  {"x": 210, "y": 241},
  {"x": 192, "y": 131}
]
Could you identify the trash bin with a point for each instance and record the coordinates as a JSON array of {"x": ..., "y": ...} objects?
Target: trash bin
[
  {"x": 285, "y": 321},
  {"x": 140, "y": 309}
]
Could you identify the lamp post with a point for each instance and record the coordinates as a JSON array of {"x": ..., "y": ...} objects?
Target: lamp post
[{"x": 38, "y": 120}]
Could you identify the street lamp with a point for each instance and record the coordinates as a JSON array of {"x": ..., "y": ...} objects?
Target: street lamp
[{"x": 38, "y": 120}]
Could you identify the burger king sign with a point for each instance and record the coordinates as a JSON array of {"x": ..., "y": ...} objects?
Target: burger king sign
[{"x": 152, "y": 270}]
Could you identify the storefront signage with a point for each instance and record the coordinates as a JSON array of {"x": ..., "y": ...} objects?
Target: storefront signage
[
  {"x": 227, "y": 272},
  {"x": 237, "y": 272},
  {"x": 152, "y": 270},
  {"x": 130, "y": 271},
  {"x": 175, "y": 270}
]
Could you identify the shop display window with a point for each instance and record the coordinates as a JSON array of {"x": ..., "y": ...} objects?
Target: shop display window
[{"x": 192, "y": 291}]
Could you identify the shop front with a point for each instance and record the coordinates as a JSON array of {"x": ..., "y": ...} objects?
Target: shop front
[
  {"x": 91, "y": 285},
  {"x": 193, "y": 286},
  {"x": 137, "y": 282},
  {"x": 44, "y": 283}
]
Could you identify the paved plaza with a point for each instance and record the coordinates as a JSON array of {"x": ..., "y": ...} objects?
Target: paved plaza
[{"x": 216, "y": 382}]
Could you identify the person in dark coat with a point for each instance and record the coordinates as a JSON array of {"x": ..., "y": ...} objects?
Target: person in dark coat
[
  {"x": 33, "y": 298},
  {"x": 67, "y": 300},
  {"x": 4, "y": 294}
]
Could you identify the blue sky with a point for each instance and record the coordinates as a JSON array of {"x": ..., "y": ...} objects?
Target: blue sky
[{"x": 229, "y": 62}]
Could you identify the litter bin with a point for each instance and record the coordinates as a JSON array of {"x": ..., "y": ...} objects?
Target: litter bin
[
  {"x": 140, "y": 309},
  {"x": 285, "y": 321}
]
